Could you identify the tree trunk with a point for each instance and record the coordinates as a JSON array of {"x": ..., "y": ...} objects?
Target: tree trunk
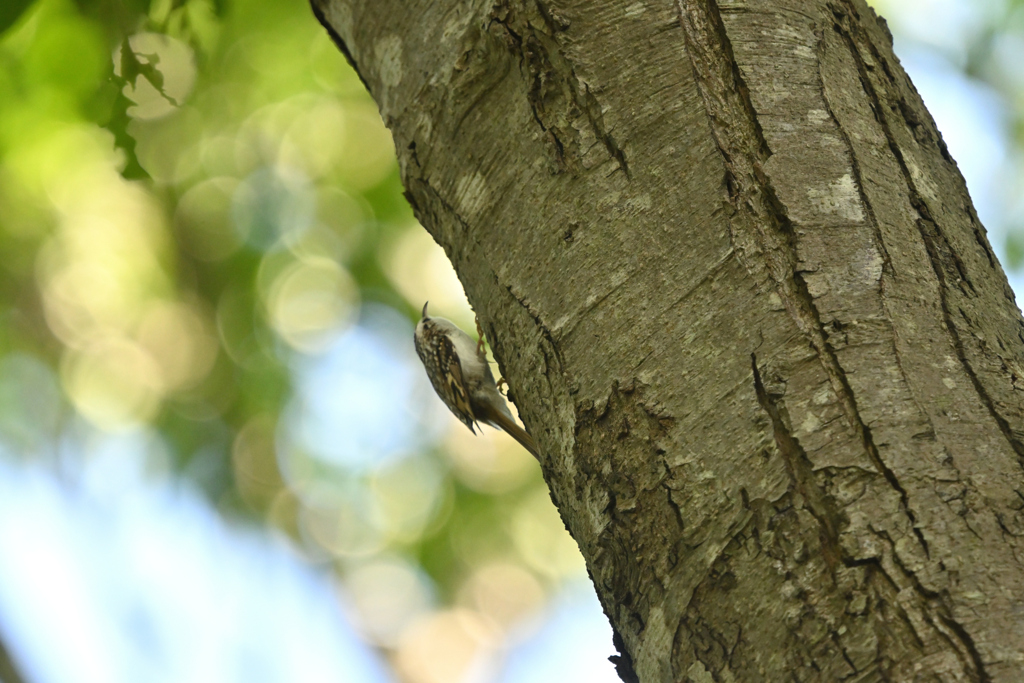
[
  {"x": 739, "y": 291},
  {"x": 8, "y": 671}
]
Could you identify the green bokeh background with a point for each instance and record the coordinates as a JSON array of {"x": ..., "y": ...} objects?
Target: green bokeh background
[{"x": 195, "y": 200}]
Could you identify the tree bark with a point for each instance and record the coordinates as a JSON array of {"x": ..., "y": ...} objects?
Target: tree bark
[
  {"x": 8, "y": 671},
  {"x": 739, "y": 291}
]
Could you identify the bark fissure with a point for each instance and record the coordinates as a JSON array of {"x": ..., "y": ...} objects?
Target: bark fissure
[
  {"x": 846, "y": 657},
  {"x": 936, "y": 612},
  {"x": 556, "y": 94},
  {"x": 545, "y": 332},
  {"x": 957, "y": 341},
  {"x": 774, "y": 239},
  {"x": 968, "y": 643},
  {"x": 738, "y": 135},
  {"x": 917, "y": 125},
  {"x": 939, "y": 250},
  {"x": 800, "y": 471},
  {"x": 853, "y": 161}
]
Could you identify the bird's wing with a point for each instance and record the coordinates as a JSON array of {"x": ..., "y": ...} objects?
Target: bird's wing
[{"x": 453, "y": 390}]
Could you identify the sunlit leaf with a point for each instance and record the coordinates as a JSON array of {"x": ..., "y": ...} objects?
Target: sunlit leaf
[{"x": 11, "y": 11}]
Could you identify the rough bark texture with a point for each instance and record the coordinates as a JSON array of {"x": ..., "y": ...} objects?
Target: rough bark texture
[{"x": 730, "y": 270}]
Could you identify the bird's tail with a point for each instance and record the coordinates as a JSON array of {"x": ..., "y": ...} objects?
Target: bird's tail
[{"x": 508, "y": 424}]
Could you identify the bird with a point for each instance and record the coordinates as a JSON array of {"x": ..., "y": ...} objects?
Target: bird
[{"x": 459, "y": 372}]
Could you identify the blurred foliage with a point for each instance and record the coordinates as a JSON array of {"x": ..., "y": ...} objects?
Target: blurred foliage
[{"x": 203, "y": 238}]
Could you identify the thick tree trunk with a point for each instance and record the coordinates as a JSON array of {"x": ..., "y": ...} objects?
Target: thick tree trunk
[{"x": 738, "y": 288}]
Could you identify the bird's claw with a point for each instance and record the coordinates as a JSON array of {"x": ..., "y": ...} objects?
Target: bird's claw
[{"x": 479, "y": 337}]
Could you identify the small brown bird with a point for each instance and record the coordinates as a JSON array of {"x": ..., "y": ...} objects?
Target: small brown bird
[{"x": 459, "y": 372}]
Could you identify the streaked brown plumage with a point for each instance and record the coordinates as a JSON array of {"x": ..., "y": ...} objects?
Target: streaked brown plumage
[{"x": 462, "y": 378}]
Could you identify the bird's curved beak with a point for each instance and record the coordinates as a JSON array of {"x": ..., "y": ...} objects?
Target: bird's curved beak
[{"x": 424, "y": 314}]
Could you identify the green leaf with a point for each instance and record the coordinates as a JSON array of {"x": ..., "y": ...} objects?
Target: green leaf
[{"x": 11, "y": 11}]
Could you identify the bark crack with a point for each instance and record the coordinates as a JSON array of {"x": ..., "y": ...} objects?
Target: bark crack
[
  {"x": 800, "y": 470},
  {"x": 558, "y": 97},
  {"x": 541, "y": 327},
  {"x": 846, "y": 657},
  {"x": 939, "y": 250},
  {"x": 735, "y": 128},
  {"x": 854, "y": 162},
  {"x": 733, "y": 123},
  {"x": 934, "y": 609}
]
